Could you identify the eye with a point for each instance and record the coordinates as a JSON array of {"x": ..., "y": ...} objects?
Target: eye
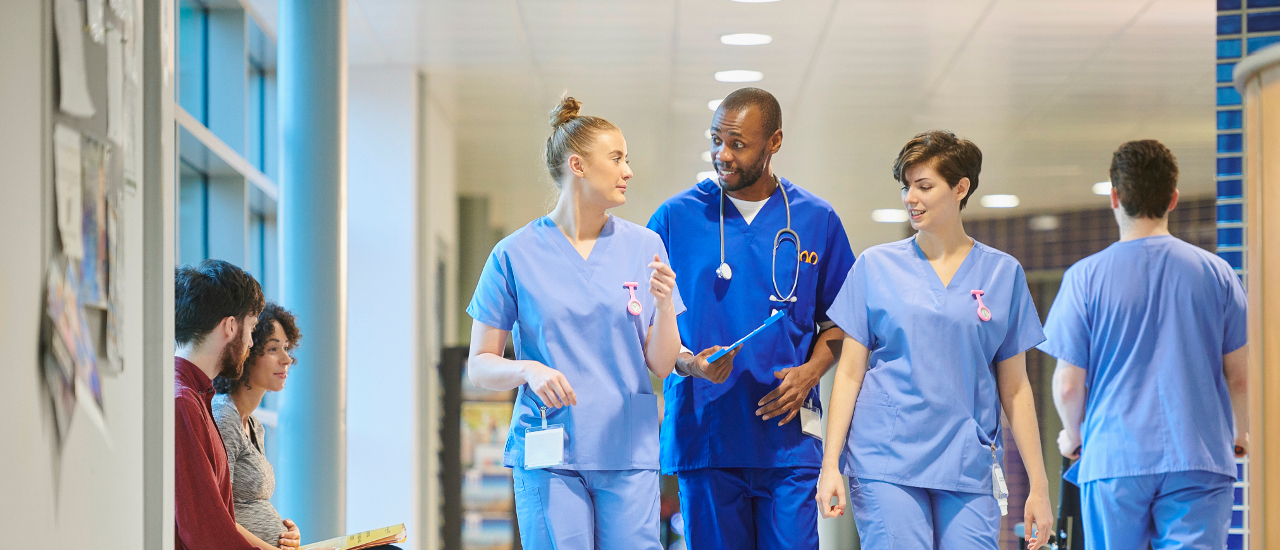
[
  {"x": 716, "y": 141},
  {"x": 738, "y": 145}
]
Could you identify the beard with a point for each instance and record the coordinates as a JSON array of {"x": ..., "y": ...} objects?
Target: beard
[
  {"x": 747, "y": 176},
  {"x": 231, "y": 360}
]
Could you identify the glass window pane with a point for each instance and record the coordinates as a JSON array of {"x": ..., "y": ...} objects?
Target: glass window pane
[{"x": 193, "y": 43}]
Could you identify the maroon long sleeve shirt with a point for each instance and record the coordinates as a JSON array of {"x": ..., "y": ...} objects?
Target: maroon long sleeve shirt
[{"x": 204, "y": 516}]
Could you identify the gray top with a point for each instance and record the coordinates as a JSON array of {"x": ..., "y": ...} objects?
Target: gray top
[{"x": 252, "y": 479}]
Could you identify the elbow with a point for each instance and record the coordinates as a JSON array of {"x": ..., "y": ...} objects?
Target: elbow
[
  {"x": 1067, "y": 389},
  {"x": 1238, "y": 384}
]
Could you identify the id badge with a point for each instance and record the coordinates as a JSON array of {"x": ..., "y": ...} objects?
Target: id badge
[
  {"x": 998, "y": 487},
  {"x": 543, "y": 446},
  {"x": 811, "y": 420}
]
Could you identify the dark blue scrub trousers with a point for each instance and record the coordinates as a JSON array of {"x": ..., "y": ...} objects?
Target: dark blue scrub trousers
[{"x": 750, "y": 508}]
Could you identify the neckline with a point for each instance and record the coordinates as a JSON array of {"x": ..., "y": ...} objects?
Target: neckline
[
  {"x": 585, "y": 266},
  {"x": 936, "y": 280}
]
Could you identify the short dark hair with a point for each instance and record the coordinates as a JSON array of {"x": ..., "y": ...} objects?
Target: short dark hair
[
  {"x": 209, "y": 292},
  {"x": 770, "y": 111},
  {"x": 1145, "y": 175},
  {"x": 271, "y": 314},
  {"x": 954, "y": 159}
]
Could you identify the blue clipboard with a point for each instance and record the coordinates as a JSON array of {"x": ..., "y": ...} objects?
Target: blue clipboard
[{"x": 724, "y": 351}]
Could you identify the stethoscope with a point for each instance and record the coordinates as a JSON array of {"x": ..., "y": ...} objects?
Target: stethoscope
[{"x": 726, "y": 273}]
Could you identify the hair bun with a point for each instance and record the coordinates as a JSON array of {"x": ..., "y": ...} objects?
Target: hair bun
[{"x": 566, "y": 111}]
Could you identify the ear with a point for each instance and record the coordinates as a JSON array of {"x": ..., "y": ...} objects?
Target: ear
[
  {"x": 230, "y": 328},
  {"x": 577, "y": 165},
  {"x": 1173, "y": 203},
  {"x": 961, "y": 189},
  {"x": 1115, "y": 199},
  {"x": 775, "y": 141}
]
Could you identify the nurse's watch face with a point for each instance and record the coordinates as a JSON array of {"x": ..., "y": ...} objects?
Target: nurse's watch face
[
  {"x": 740, "y": 148},
  {"x": 929, "y": 201},
  {"x": 606, "y": 170}
]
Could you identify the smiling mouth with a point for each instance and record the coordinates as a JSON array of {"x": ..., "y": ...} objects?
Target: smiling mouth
[{"x": 915, "y": 213}]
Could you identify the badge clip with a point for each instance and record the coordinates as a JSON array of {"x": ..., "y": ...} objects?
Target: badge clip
[
  {"x": 983, "y": 312},
  {"x": 633, "y": 307}
]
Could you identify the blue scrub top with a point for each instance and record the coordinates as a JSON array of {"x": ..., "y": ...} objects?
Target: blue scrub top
[
  {"x": 710, "y": 425},
  {"x": 570, "y": 314},
  {"x": 1150, "y": 320},
  {"x": 929, "y": 409}
]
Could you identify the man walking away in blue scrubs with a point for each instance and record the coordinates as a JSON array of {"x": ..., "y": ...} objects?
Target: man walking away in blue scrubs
[
  {"x": 742, "y": 434},
  {"x": 1151, "y": 385}
]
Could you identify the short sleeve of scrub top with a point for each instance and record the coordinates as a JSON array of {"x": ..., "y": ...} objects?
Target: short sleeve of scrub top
[
  {"x": 1236, "y": 314},
  {"x": 1067, "y": 325},
  {"x": 572, "y": 314}
]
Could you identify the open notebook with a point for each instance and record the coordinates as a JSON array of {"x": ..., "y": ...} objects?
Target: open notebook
[{"x": 359, "y": 541}]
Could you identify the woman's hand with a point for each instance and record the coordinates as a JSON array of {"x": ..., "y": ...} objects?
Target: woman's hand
[
  {"x": 291, "y": 538},
  {"x": 1038, "y": 514},
  {"x": 550, "y": 385},
  {"x": 661, "y": 283},
  {"x": 831, "y": 485}
]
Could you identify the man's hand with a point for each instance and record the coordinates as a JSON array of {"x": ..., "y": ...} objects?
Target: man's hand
[
  {"x": 790, "y": 395},
  {"x": 1242, "y": 445},
  {"x": 291, "y": 538},
  {"x": 1069, "y": 444},
  {"x": 697, "y": 366}
]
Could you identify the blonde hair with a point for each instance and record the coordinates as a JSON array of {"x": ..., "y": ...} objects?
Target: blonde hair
[{"x": 571, "y": 133}]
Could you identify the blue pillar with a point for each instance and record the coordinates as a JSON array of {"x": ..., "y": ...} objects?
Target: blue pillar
[{"x": 311, "y": 474}]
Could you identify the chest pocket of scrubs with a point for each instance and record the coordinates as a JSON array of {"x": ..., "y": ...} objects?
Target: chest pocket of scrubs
[{"x": 800, "y": 311}]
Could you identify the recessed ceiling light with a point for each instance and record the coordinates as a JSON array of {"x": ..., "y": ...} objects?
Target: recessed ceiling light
[
  {"x": 1044, "y": 223},
  {"x": 889, "y": 215},
  {"x": 708, "y": 133},
  {"x": 709, "y": 174},
  {"x": 706, "y": 156},
  {"x": 713, "y": 104},
  {"x": 999, "y": 201},
  {"x": 746, "y": 39},
  {"x": 739, "y": 75},
  {"x": 1102, "y": 188}
]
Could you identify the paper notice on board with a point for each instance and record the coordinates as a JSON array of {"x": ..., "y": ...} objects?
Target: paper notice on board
[
  {"x": 67, "y": 184},
  {"x": 115, "y": 85},
  {"x": 68, "y": 22},
  {"x": 97, "y": 22}
]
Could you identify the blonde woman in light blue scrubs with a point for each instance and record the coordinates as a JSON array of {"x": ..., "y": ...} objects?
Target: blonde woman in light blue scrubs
[
  {"x": 592, "y": 305},
  {"x": 937, "y": 327}
]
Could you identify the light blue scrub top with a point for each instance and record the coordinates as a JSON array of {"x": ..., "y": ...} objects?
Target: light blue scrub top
[
  {"x": 570, "y": 314},
  {"x": 710, "y": 425},
  {"x": 929, "y": 409},
  {"x": 1149, "y": 320}
]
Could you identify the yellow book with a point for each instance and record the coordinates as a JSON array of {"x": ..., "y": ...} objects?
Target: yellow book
[{"x": 359, "y": 541}]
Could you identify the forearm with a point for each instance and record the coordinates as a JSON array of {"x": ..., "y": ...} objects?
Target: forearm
[
  {"x": 1235, "y": 366},
  {"x": 826, "y": 352},
  {"x": 664, "y": 343},
  {"x": 1070, "y": 396},
  {"x": 492, "y": 372},
  {"x": 1019, "y": 406},
  {"x": 844, "y": 395}
]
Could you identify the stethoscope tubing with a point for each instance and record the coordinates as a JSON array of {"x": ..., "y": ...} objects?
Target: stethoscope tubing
[{"x": 777, "y": 239}]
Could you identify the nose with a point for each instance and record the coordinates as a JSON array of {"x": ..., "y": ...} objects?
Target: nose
[
  {"x": 722, "y": 153},
  {"x": 909, "y": 196},
  {"x": 626, "y": 172}
]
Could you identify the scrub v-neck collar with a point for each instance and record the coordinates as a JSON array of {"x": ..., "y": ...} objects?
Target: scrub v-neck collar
[
  {"x": 748, "y": 229},
  {"x": 935, "y": 281},
  {"x": 585, "y": 266}
]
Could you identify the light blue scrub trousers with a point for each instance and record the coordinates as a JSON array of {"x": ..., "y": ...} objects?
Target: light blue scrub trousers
[
  {"x": 901, "y": 517},
  {"x": 1172, "y": 510},
  {"x": 587, "y": 509}
]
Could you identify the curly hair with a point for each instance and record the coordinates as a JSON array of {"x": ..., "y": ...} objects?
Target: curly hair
[
  {"x": 207, "y": 293},
  {"x": 262, "y": 332}
]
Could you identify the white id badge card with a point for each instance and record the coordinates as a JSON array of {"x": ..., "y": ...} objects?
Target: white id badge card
[
  {"x": 810, "y": 420},
  {"x": 543, "y": 446},
  {"x": 999, "y": 490}
]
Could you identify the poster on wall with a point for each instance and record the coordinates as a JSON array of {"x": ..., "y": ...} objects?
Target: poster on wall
[
  {"x": 93, "y": 228},
  {"x": 70, "y": 340},
  {"x": 73, "y": 82},
  {"x": 67, "y": 173}
]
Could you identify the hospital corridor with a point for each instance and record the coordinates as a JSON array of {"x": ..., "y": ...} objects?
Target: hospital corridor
[{"x": 640, "y": 274}]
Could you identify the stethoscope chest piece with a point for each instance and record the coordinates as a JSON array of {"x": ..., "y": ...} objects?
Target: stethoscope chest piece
[
  {"x": 633, "y": 306},
  {"x": 983, "y": 312},
  {"x": 724, "y": 271}
]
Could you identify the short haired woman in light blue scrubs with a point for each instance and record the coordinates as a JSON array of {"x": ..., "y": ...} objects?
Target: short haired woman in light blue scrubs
[
  {"x": 937, "y": 328},
  {"x": 592, "y": 305}
]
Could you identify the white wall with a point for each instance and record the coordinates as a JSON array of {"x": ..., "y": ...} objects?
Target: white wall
[
  {"x": 88, "y": 493},
  {"x": 382, "y": 400}
]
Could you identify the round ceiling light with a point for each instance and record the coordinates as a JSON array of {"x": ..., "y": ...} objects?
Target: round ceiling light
[
  {"x": 739, "y": 76},
  {"x": 713, "y": 104},
  {"x": 1102, "y": 188},
  {"x": 999, "y": 201},
  {"x": 889, "y": 215},
  {"x": 746, "y": 39}
]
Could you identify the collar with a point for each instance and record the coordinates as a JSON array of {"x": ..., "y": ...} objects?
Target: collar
[{"x": 189, "y": 375}]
